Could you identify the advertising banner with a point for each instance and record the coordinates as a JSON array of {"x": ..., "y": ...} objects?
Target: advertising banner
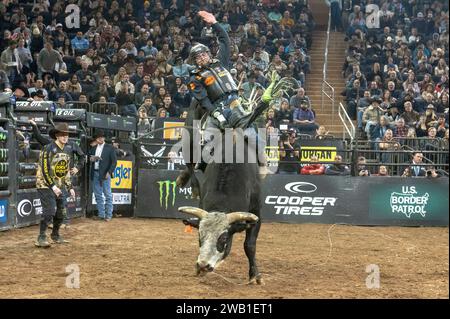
[
  {"x": 155, "y": 154},
  {"x": 23, "y": 106},
  {"x": 38, "y": 117},
  {"x": 325, "y": 150},
  {"x": 158, "y": 195},
  {"x": 283, "y": 198},
  {"x": 69, "y": 115},
  {"x": 309, "y": 199},
  {"x": 28, "y": 207},
  {"x": 75, "y": 207},
  {"x": 315, "y": 199},
  {"x": 408, "y": 201},
  {"x": 122, "y": 177},
  {"x": 172, "y": 129},
  {"x": 112, "y": 122},
  {"x": 4, "y": 220}
]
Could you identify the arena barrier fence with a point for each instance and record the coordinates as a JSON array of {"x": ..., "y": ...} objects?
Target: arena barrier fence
[
  {"x": 143, "y": 174},
  {"x": 19, "y": 153},
  {"x": 315, "y": 199}
]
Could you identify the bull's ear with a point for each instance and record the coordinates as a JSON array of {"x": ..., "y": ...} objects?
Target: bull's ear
[
  {"x": 194, "y": 222},
  {"x": 237, "y": 227}
]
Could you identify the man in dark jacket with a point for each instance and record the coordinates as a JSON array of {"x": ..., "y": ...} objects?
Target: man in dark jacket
[
  {"x": 415, "y": 169},
  {"x": 103, "y": 163}
]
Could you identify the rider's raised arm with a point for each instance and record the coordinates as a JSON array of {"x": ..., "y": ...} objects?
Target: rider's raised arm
[
  {"x": 224, "y": 40},
  {"x": 224, "y": 45}
]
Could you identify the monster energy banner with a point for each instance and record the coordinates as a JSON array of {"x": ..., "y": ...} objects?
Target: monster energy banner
[
  {"x": 316, "y": 199},
  {"x": 158, "y": 195}
]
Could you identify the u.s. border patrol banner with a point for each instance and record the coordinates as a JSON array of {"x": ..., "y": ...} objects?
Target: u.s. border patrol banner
[
  {"x": 408, "y": 201},
  {"x": 316, "y": 199}
]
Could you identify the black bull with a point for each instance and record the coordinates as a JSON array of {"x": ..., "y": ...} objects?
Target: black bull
[{"x": 229, "y": 202}]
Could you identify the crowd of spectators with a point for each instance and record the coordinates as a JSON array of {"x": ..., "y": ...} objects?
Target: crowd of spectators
[
  {"x": 396, "y": 72},
  {"x": 396, "y": 68},
  {"x": 135, "y": 53}
]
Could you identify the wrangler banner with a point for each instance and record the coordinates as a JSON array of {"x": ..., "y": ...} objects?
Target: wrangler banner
[{"x": 122, "y": 177}]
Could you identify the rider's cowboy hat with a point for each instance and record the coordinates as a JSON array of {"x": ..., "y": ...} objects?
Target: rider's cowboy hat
[{"x": 59, "y": 128}]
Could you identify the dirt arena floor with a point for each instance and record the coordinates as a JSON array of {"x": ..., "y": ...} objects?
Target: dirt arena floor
[{"x": 144, "y": 258}]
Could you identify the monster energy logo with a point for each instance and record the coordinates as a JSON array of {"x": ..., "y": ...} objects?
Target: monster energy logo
[{"x": 166, "y": 189}]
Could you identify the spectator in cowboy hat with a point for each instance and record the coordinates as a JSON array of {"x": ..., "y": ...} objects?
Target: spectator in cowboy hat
[
  {"x": 38, "y": 95},
  {"x": 103, "y": 163}
]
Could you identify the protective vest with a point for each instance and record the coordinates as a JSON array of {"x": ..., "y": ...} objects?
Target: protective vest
[
  {"x": 54, "y": 166},
  {"x": 213, "y": 81}
]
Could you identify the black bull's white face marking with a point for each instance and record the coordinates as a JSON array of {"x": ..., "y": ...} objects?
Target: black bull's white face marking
[
  {"x": 214, "y": 239},
  {"x": 216, "y": 231}
]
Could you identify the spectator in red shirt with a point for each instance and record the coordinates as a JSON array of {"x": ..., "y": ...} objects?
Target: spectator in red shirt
[{"x": 313, "y": 168}]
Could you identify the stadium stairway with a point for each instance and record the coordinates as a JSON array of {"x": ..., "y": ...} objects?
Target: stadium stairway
[{"x": 336, "y": 58}]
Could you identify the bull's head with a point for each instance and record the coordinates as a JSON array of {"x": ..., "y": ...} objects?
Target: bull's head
[{"x": 216, "y": 232}]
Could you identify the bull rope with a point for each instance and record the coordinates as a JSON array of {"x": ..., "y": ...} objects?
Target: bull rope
[{"x": 408, "y": 246}]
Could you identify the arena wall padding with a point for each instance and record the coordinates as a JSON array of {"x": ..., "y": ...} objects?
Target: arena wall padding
[{"x": 316, "y": 199}]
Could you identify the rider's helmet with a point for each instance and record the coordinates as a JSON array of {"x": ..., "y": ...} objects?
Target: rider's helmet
[{"x": 196, "y": 50}]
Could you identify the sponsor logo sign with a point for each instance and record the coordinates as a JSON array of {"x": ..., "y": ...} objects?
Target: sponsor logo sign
[
  {"x": 27, "y": 206},
  {"x": 123, "y": 175},
  {"x": 323, "y": 153},
  {"x": 409, "y": 202},
  {"x": 3, "y": 211},
  {"x": 168, "y": 192},
  {"x": 172, "y": 134},
  {"x": 424, "y": 201},
  {"x": 153, "y": 158},
  {"x": 299, "y": 200},
  {"x": 118, "y": 199}
]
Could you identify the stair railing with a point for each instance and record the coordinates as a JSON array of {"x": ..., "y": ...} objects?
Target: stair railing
[
  {"x": 327, "y": 89},
  {"x": 347, "y": 123}
]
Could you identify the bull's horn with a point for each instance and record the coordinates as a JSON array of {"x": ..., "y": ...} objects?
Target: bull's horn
[
  {"x": 241, "y": 216},
  {"x": 197, "y": 212}
]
